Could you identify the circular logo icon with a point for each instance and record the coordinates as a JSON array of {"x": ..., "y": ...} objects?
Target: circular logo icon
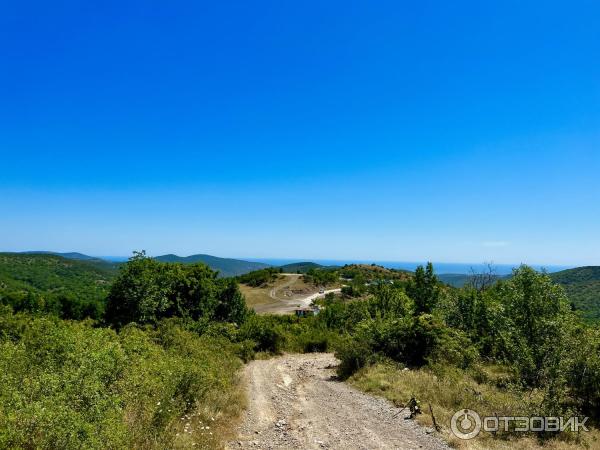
[{"x": 465, "y": 424}]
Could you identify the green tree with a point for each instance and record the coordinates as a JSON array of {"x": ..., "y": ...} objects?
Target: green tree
[
  {"x": 147, "y": 290},
  {"x": 139, "y": 294},
  {"x": 424, "y": 289}
]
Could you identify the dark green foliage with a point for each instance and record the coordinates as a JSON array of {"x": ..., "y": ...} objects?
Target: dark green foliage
[
  {"x": 147, "y": 290},
  {"x": 302, "y": 267},
  {"x": 72, "y": 255},
  {"x": 231, "y": 306},
  {"x": 355, "y": 288},
  {"x": 265, "y": 331},
  {"x": 313, "y": 340},
  {"x": 575, "y": 276},
  {"x": 539, "y": 314},
  {"x": 69, "y": 385},
  {"x": 582, "y": 286},
  {"x": 424, "y": 289},
  {"x": 584, "y": 372},
  {"x": 260, "y": 278},
  {"x": 354, "y": 354},
  {"x": 523, "y": 323},
  {"x": 50, "y": 284},
  {"x": 321, "y": 277}
]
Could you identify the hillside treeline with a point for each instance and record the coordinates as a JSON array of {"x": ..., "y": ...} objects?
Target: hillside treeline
[{"x": 156, "y": 368}]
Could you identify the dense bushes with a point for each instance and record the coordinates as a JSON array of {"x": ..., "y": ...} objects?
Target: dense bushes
[
  {"x": 265, "y": 332},
  {"x": 180, "y": 333},
  {"x": 260, "y": 277},
  {"x": 69, "y": 385},
  {"x": 523, "y": 325},
  {"x": 321, "y": 277},
  {"x": 50, "y": 284},
  {"x": 147, "y": 290}
]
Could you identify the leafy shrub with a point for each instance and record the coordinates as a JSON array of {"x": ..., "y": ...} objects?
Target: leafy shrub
[
  {"x": 584, "y": 371},
  {"x": 354, "y": 354},
  {"x": 69, "y": 385},
  {"x": 314, "y": 340},
  {"x": 266, "y": 333},
  {"x": 321, "y": 277},
  {"x": 147, "y": 291},
  {"x": 261, "y": 277}
]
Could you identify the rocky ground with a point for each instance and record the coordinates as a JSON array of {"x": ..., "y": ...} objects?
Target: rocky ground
[{"x": 294, "y": 402}]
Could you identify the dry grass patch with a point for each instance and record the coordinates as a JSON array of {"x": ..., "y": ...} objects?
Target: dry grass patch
[
  {"x": 451, "y": 390},
  {"x": 214, "y": 421}
]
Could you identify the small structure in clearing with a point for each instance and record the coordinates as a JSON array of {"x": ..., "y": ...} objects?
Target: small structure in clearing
[{"x": 306, "y": 312}]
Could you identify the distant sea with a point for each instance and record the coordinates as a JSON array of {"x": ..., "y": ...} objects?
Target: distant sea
[
  {"x": 115, "y": 258},
  {"x": 441, "y": 268}
]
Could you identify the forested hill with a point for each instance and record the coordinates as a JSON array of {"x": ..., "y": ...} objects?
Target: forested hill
[
  {"x": 301, "y": 267},
  {"x": 226, "y": 267},
  {"x": 50, "y": 283},
  {"x": 583, "y": 289},
  {"x": 69, "y": 255}
]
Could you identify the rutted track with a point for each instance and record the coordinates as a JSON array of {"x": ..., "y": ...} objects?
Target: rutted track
[{"x": 295, "y": 403}]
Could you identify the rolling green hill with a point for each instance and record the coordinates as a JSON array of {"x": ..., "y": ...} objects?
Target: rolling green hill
[
  {"x": 47, "y": 272},
  {"x": 69, "y": 255},
  {"x": 300, "y": 267},
  {"x": 583, "y": 288},
  {"x": 51, "y": 283},
  {"x": 226, "y": 267},
  {"x": 100, "y": 263}
]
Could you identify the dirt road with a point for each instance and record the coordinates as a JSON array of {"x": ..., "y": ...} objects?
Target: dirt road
[
  {"x": 294, "y": 403},
  {"x": 281, "y": 303}
]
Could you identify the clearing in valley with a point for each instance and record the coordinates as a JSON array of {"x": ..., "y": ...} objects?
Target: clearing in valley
[{"x": 288, "y": 292}]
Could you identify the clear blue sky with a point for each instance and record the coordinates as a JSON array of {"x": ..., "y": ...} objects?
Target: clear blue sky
[{"x": 449, "y": 131}]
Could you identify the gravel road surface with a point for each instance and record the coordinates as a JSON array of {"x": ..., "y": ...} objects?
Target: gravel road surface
[{"x": 294, "y": 402}]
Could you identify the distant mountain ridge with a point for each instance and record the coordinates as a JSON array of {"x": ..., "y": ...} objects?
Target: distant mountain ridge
[
  {"x": 582, "y": 284},
  {"x": 75, "y": 256},
  {"x": 227, "y": 267},
  {"x": 69, "y": 255}
]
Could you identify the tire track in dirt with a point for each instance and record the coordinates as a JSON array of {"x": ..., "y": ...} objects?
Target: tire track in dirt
[{"x": 294, "y": 402}]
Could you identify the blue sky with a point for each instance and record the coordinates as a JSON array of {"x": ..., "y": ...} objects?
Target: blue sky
[{"x": 449, "y": 131}]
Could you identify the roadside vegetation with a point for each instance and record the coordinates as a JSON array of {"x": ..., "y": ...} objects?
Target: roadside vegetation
[
  {"x": 155, "y": 366},
  {"x": 260, "y": 278},
  {"x": 511, "y": 347},
  {"x": 158, "y": 370}
]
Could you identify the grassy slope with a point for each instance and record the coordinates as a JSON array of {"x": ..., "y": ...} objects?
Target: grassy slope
[
  {"x": 453, "y": 390},
  {"x": 226, "y": 267},
  {"x": 258, "y": 298}
]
